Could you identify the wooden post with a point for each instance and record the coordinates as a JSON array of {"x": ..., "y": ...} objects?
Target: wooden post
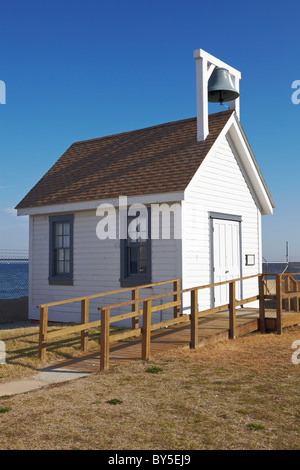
[
  {"x": 135, "y": 320},
  {"x": 296, "y": 299},
  {"x": 176, "y": 298},
  {"x": 104, "y": 339},
  {"x": 84, "y": 319},
  {"x": 232, "y": 307},
  {"x": 43, "y": 333},
  {"x": 194, "y": 318},
  {"x": 261, "y": 294},
  {"x": 287, "y": 302},
  {"x": 279, "y": 303},
  {"x": 147, "y": 304},
  {"x": 296, "y": 304}
]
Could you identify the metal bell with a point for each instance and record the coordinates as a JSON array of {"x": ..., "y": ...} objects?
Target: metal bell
[{"x": 220, "y": 87}]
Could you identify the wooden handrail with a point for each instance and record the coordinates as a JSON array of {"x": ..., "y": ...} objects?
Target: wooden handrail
[
  {"x": 85, "y": 324},
  {"x": 182, "y": 291},
  {"x": 103, "y": 294},
  {"x": 149, "y": 308},
  {"x": 285, "y": 296}
]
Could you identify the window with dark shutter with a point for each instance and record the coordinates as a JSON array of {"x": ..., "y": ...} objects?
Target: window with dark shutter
[
  {"x": 61, "y": 249},
  {"x": 136, "y": 253}
]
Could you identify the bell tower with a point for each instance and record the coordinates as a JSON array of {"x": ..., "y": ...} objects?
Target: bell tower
[{"x": 216, "y": 82}]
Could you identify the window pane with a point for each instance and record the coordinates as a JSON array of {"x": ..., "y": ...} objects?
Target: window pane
[
  {"x": 60, "y": 254},
  {"x": 67, "y": 266},
  {"x": 58, "y": 229},
  {"x": 58, "y": 241},
  {"x": 67, "y": 229},
  {"x": 60, "y": 267},
  {"x": 66, "y": 241},
  {"x": 143, "y": 259},
  {"x": 67, "y": 255},
  {"x": 133, "y": 260}
]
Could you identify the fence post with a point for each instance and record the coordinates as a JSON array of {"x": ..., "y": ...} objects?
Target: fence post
[
  {"x": 287, "y": 289},
  {"x": 279, "y": 303},
  {"x": 296, "y": 299},
  {"x": 43, "y": 333},
  {"x": 104, "y": 339},
  {"x": 147, "y": 305},
  {"x": 84, "y": 319},
  {"x": 261, "y": 294},
  {"x": 194, "y": 318},
  {"x": 176, "y": 298},
  {"x": 232, "y": 307},
  {"x": 135, "y": 296}
]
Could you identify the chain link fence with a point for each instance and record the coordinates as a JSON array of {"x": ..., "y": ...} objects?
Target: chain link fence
[{"x": 13, "y": 274}]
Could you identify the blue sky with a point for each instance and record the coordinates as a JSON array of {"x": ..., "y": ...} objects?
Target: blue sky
[{"x": 78, "y": 69}]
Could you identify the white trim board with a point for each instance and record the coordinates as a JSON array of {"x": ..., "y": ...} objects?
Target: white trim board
[{"x": 88, "y": 205}]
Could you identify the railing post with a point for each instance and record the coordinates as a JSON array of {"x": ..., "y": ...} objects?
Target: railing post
[
  {"x": 135, "y": 320},
  {"x": 176, "y": 298},
  {"x": 287, "y": 301},
  {"x": 279, "y": 304},
  {"x": 261, "y": 294},
  {"x": 194, "y": 318},
  {"x": 84, "y": 319},
  {"x": 43, "y": 333},
  {"x": 147, "y": 304},
  {"x": 232, "y": 307},
  {"x": 296, "y": 299},
  {"x": 104, "y": 339}
]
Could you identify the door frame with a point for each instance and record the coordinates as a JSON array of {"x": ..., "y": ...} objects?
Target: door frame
[{"x": 222, "y": 216}]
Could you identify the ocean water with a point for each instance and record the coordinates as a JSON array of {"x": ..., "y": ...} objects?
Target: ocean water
[
  {"x": 14, "y": 276},
  {"x": 277, "y": 268},
  {"x": 13, "y": 279}
]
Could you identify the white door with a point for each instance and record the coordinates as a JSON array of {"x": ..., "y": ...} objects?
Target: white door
[{"x": 226, "y": 258}]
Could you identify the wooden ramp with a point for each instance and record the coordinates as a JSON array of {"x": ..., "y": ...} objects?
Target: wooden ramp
[{"x": 211, "y": 328}]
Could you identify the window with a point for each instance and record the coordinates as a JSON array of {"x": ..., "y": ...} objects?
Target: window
[
  {"x": 136, "y": 253},
  {"x": 61, "y": 250}
]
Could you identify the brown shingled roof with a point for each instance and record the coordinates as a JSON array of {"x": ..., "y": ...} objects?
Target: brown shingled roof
[{"x": 156, "y": 159}]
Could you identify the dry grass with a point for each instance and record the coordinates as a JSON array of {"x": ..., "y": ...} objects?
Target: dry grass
[
  {"x": 21, "y": 346},
  {"x": 241, "y": 394}
]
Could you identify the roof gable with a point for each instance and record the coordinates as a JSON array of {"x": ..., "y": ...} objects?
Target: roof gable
[
  {"x": 156, "y": 159},
  {"x": 235, "y": 132}
]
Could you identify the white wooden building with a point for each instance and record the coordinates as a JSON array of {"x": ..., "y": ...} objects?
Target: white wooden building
[{"x": 204, "y": 165}]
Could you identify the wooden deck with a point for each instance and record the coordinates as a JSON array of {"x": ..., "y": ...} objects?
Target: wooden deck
[{"x": 211, "y": 328}]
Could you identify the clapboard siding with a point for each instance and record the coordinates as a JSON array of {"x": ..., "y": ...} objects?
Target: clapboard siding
[
  {"x": 219, "y": 186},
  {"x": 96, "y": 269}
]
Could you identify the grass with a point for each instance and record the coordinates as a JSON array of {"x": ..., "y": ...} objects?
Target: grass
[
  {"x": 21, "y": 346},
  {"x": 114, "y": 401},
  {"x": 4, "y": 410},
  {"x": 240, "y": 394},
  {"x": 255, "y": 426},
  {"x": 153, "y": 370}
]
